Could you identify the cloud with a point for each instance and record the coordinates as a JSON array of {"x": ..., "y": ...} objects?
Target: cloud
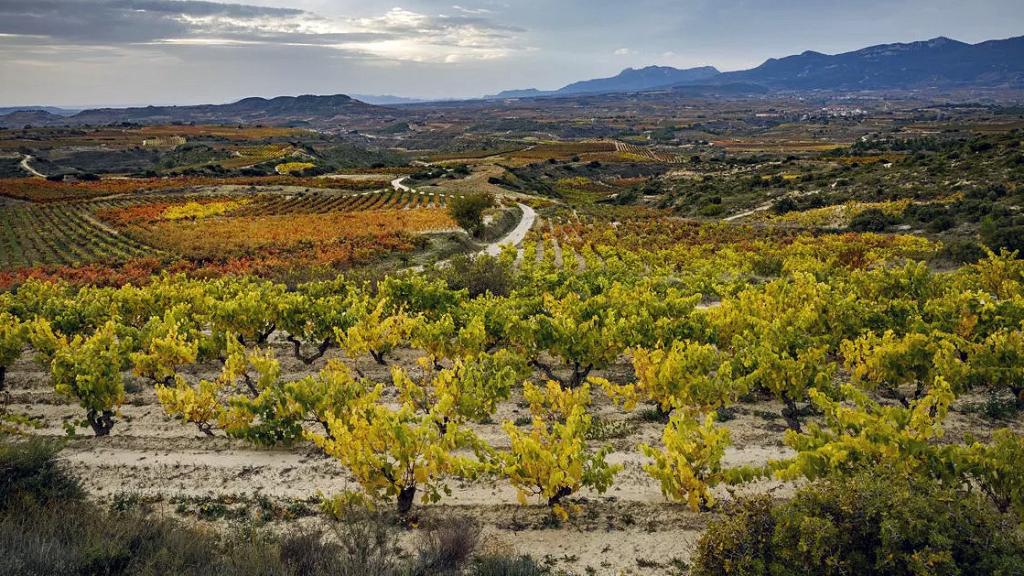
[
  {"x": 624, "y": 52},
  {"x": 396, "y": 34},
  {"x": 476, "y": 11}
]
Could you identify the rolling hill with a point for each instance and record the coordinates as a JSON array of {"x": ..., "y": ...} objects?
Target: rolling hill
[
  {"x": 629, "y": 80},
  {"x": 280, "y": 111}
]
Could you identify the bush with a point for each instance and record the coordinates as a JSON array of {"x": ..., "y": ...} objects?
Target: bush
[
  {"x": 941, "y": 224},
  {"x": 871, "y": 220},
  {"x": 506, "y": 566},
  {"x": 1003, "y": 233},
  {"x": 711, "y": 210},
  {"x": 468, "y": 211},
  {"x": 31, "y": 473},
  {"x": 961, "y": 251},
  {"x": 879, "y": 522},
  {"x": 480, "y": 275},
  {"x": 446, "y": 546}
]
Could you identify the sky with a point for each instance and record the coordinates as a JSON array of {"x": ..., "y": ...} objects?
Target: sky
[{"x": 78, "y": 53}]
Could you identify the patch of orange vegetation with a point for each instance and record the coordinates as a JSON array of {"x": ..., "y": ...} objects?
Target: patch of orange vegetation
[
  {"x": 216, "y": 238},
  {"x": 43, "y": 191}
]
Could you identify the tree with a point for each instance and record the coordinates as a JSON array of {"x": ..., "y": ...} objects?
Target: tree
[
  {"x": 585, "y": 333},
  {"x": 998, "y": 469},
  {"x": 687, "y": 375},
  {"x": 444, "y": 339},
  {"x": 165, "y": 348},
  {"x": 860, "y": 433},
  {"x": 889, "y": 362},
  {"x": 376, "y": 332},
  {"x": 311, "y": 315},
  {"x": 468, "y": 211},
  {"x": 468, "y": 391},
  {"x": 998, "y": 363},
  {"x": 226, "y": 402},
  {"x": 552, "y": 460},
  {"x": 690, "y": 464},
  {"x": 785, "y": 375},
  {"x": 44, "y": 341},
  {"x": 89, "y": 370},
  {"x": 394, "y": 453},
  {"x": 13, "y": 337},
  {"x": 779, "y": 336},
  {"x": 246, "y": 307}
]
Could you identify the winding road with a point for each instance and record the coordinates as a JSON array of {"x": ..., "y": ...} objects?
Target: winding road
[
  {"x": 28, "y": 167},
  {"x": 514, "y": 237},
  {"x": 398, "y": 186},
  {"x": 517, "y": 235},
  {"x": 761, "y": 208}
]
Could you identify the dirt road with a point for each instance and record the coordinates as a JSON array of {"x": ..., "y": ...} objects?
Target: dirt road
[{"x": 28, "y": 167}]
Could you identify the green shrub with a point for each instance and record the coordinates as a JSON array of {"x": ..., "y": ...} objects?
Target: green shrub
[
  {"x": 468, "y": 211},
  {"x": 31, "y": 472},
  {"x": 506, "y": 566},
  {"x": 871, "y": 220},
  {"x": 479, "y": 275},
  {"x": 961, "y": 251},
  {"x": 711, "y": 210},
  {"x": 876, "y": 523}
]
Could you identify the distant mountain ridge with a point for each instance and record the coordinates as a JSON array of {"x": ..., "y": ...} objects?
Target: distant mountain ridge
[
  {"x": 48, "y": 109},
  {"x": 632, "y": 79},
  {"x": 937, "y": 63},
  {"x": 280, "y": 111},
  {"x": 629, "y": 80},
  {"x": 387, "y": 99}
]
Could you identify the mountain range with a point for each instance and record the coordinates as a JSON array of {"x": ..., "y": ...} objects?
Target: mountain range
[
  {"x": 936, "y": 64},
  {"x": 49, "y": 109},
  {"x": 629, "y": 80},
  {"x": 280, "y": 111}
]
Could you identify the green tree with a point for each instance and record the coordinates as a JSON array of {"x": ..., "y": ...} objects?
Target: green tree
[
  {"x": 89, "y": 370},
  {"x": 468, "y": 211},
  {"x": 552, "y": 460}
]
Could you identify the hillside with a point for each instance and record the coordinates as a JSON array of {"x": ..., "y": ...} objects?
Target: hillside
[
  {"x": 629, "y": 80},
  {"x": 939, "y": 62},
  {"x": 936, "y": 63},
  {"x": 280, "y": 111}
]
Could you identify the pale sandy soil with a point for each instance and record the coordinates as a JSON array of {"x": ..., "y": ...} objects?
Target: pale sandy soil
[{"x": 174, "y": 465}]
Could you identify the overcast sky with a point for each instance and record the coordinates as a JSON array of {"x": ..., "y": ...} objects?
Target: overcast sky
[{"x": 120, "y": 52}]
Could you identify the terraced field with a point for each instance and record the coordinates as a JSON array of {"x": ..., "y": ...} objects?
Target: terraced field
[
  {"x": 322, "y": 203},
  {"x": 118, "y": 230},
  {"x": 63, "y": 234}
]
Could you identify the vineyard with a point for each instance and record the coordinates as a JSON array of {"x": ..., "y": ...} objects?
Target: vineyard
[
  {"x": 639, "y": 334},
  {"x": 63, "y": 234},
  {"x": 239, "y": 230},
  {"x": 609, "y": 368},
  {"x": 43, "y": 191}
]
